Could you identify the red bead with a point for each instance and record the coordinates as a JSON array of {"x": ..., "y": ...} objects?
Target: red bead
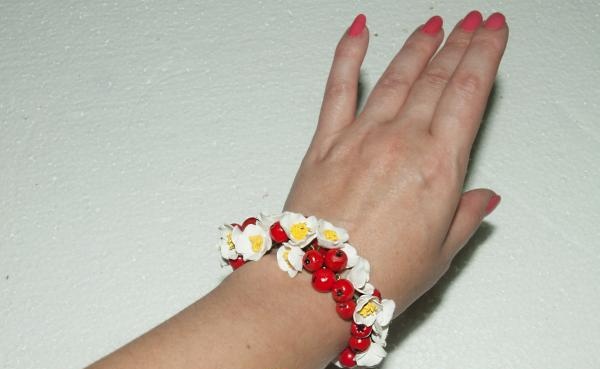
[
  {"x": 336, "y": 260},
  {"x": 312, "y": 260},
  {"x": 278, "y": 234},
  {"x": 360, "y": 330},
  {"x": 359, "y": 344},
  {"x": 322, "y": 251},
  {"x": 377, "y": 293},
  {"x": 248, "y": 221},
  {"x": 346, "y": 358},
  {"x": 236, "y": 263},
  {"x": 342, "y": 290},
  {"x": 345, "y": 309},
  {"x": 322, "y": 280}
]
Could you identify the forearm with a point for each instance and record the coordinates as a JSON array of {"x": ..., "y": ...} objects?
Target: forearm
[{"x": 257, "y": 318}]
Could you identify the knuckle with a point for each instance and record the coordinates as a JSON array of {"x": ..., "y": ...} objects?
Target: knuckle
[
  {"x": 436, "y": 77},
  {"x": 339, "y": 88},
  {"x": 394, "y": 81},
  {"x": 468, "y": 83}
]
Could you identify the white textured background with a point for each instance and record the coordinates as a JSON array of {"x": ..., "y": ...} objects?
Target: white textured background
[{"x": 130, "y": 129}]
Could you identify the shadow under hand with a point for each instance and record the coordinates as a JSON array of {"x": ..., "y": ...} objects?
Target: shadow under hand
[
  {"x": 416, "y": 314},
  {"x": 411, "y": 319}
]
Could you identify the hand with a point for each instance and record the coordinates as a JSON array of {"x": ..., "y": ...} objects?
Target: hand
[{"x": 393, "y": 174}]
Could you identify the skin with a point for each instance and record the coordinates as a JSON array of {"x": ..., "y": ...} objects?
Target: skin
[{"x": 391, "y": 175}]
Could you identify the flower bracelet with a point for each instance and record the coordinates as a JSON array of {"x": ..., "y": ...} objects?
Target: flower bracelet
[{"x": 320, "y": 248}]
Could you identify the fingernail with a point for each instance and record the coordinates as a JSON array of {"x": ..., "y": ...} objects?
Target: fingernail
[
  {"x": 357, "y": 26},
  {"x": 495, "y": 21},
  {"x": 433, "y": 25},
  {"x": 492, "y": 204},
  {"x": 472, "y": 21}
]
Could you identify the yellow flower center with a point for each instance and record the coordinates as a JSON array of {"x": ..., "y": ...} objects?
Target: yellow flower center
[
  {"x": 257, "y": 242},
  {"x": 331, "y": 235},
  {"x": 230, "y": 243},
  {"x": 369, "y": 309},
  {"x": 286, "y": 257},
  {"x": 299, "y": 230}
]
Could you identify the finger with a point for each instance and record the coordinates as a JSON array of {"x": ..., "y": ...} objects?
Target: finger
[
  {"x": 463, "y": 102},
  {"x": 392, "y": 88},
  {"x": 474, "y": 205},
  {"x": 339, "y": 103},
  {"x": 425, "y": 94}
]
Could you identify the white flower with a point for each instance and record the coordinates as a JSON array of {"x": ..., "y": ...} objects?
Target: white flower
[
  {"x": 289, "y": 259},
  {"x": 367, "y": 309},
  {"x": 351, "y": 254},
  {"x": 371, "y": 357},
  {"x": 367, "y": 289},
  {"x": 384, "y": 317},
  {"x": 268, "y": 219},
  {"x": 330, "y": 236},
  {"x": 300, "y": 230},
  {"x": 379, "y": 337},
  {"x": 226, "y": 244},
  {"x": 253, "y": 242},
  {"x": 359, "y": 274}
]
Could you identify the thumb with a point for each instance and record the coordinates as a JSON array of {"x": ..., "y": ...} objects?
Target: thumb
[{"x": 474, "y": 205}]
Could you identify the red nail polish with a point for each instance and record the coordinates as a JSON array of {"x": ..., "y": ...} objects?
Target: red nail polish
[
  {"x": 472, "y": 21},
  {"x": 495, "y": 21},
  {"x": 357, "y": 26},
  {"x": 492, "y": 204},
  {"x": 433, "y": 25}
]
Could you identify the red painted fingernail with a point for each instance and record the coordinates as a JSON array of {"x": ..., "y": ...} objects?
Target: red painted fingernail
[
  {"x": 472, "y": 21},
  {"x": 492, "y": 204},
  {"x": 495, "y": 21},
  {"x": 433, "y": 25},
  {"x": 357, "y": 26}
]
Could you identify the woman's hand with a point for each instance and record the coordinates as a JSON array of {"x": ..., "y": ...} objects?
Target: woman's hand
[{"x": 393, "y": 174}]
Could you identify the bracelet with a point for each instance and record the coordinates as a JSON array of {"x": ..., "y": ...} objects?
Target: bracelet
[{"x": 320, "y": 248}]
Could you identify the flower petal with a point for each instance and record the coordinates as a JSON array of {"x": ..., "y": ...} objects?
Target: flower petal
[
  {"x": 367, "y": 289},
  {"x": 371, "y": 357},
  {"x": 352, "y": 255},
  {"x": 359, "y": 275},
  {"x": 385, "y": 316},
  {"x": 379, "y": 334}
]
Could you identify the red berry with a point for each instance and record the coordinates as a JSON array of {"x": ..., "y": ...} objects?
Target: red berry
[
  {"x": 248, "y": 221},
  {"x": 345, "y": 309},
  {"x": 236, "y": 263},
  {"x": 312, "y": 260},
  {"x": 278, "y": 234},
  {"x": 360, "y": 330},
  {"x": 377, "y": 293},
  {"x": 322, "y": 280},
  {"x": 346, "y": 358},
  {"x": 342, "y": 290},
  {"x": 336, "y": 260},
  {"x": 359, "y": 344}
]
